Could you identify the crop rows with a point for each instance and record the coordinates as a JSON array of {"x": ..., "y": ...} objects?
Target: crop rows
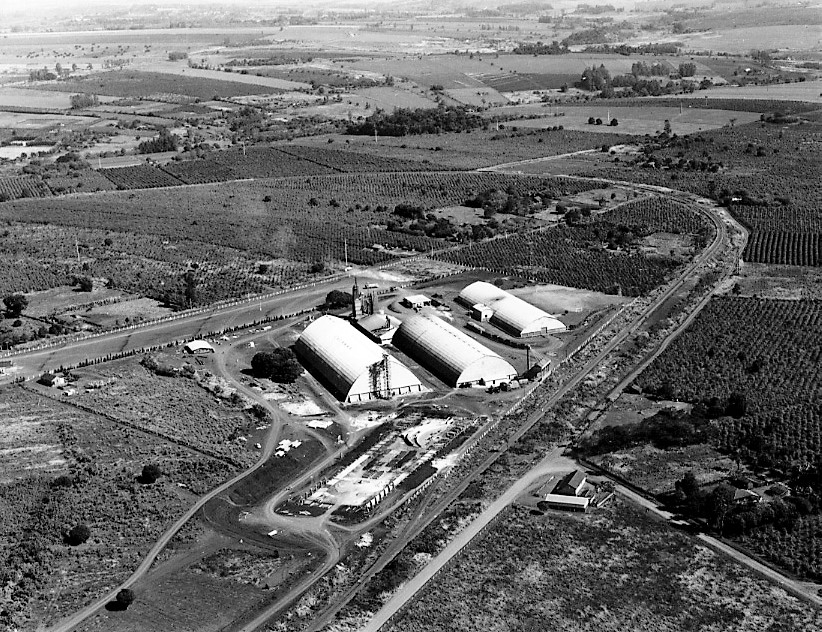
[
  {"x": 199, "y": 171},
  {"x": 567, "y": 256},
  {"x": 14, "y": 187},
  {"x": 82, "y": 181},
  {"x": 656, "y": 215},
  {"x": 798, "y": 550},
  {"x": 40, "y": 257},
  {"x": 356, "y": 162},
  {"x": 767, "y": 350},
  {"x": 140, "y": 177},
  {"x": 782, "y": 435},
  {"x": 226, "y": 229},
  {"x": 29, "y": 275},
  {"x": 266, "y": 162},
  {"x": 791, "y": 248}
]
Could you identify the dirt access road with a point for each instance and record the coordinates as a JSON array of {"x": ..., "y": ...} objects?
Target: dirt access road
[{"x": 553, "y": 462}]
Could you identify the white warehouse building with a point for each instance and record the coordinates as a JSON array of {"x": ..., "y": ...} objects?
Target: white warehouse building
[
  {"x": 510, "y": 313},
  {"x": 454, "y": 356},
  {"x": 357, "y": 368}
]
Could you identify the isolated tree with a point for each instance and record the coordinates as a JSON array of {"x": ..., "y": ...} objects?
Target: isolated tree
[
  {"x": 337, "y": 298},
  {"x": 614, "y": 122},
  {"x": 15, "y": 304},
  {"x": 150, "y": 473},
  {"x": 78, "y": 535},
  {"x": 718, "y": 505},
  {"x": 85, "y": 284},
  {"x": 125, "y": 598},
  {"x": 279, "y": 365}
]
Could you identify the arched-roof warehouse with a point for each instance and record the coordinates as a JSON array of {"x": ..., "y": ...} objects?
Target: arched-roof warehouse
[
  {"x": 510, "y": 312},
  {"x": 356, "y": 368},
  {"x": 456, "y": 357}
]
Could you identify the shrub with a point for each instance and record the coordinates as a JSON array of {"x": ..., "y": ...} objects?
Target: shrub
[
  {"x": 125, "y": 597},
  {"x": 150, "y": 474},
  {"x": 78, "y": 535}
]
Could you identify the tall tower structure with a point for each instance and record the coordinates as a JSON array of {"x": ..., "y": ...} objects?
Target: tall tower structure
[{"x": 356, "y": 301}]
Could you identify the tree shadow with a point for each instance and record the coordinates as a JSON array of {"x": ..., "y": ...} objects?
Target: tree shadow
[{"x": 116, "y": 606}]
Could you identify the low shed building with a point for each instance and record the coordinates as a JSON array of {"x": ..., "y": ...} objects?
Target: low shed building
[{"x": 198, "y": 346}]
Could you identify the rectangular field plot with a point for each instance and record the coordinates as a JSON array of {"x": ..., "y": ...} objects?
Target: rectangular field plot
[
  {"x": 639, "y": 120},
  {"x": 134, "y": 83},
  {"x": 139, "y": 177},
  {"x": 612, "y": 569}
]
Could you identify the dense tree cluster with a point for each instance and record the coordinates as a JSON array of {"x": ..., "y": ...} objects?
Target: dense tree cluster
[
  {"x": 279, "y": 365},
  {"x": 80, "y": 101},
  {"x": 165, "y": 141},
  {"x": 15, "y": 304},
  {"x": 541, "y": 48},
  {"x": 404, "y": 121}
]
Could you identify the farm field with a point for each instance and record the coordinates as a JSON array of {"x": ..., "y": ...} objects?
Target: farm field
[
  {"x": 768, "y": 165},
  {"x": 808, "y": 91},
  {"x": 740, "y": 40},
  {"x": 134, "y": 83},
  {"x": 477, "y": 149},
  {"x": 16, "y": 97},
  {"x": 780, "y": 281},
  {"x": 767, "y": 351},
  {"x": 782, "y": 235},
  {"x": 99, "y": 462},
  {"x": 39, "y": 257},
  {"x": 574, "y": 256},
  {"x": 38, "y": 122},
  {"x": 639, "y": 121},
  {"x": 253, "y": 83},
  {"x": 188, "y": 414},
  {"x": 293, "y": 223},
  {"x": 657, "y": 471},
  {"x": 609, "y": 569}
]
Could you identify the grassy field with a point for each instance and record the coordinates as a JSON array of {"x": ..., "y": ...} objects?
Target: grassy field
[
  {"x": 740, "y": 40},
  {"x": 612, "y": 569},
  {"x": 478, "y": 148},
  {"x": 809, "y": 91},
  {"x": 189, "y": 415},
  {"x": 134, "y": 83},
  {"x": 634, "y": 120},
  {"x": 45, "y": 577}
]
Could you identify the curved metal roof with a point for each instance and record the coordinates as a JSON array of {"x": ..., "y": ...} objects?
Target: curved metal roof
[
  {"x": 510, "y": 312},
  {"x": 344, "y": 356},
  {"x": 448, "y": 352}
]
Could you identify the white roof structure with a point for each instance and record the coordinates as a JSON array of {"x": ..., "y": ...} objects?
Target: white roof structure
[
  {"x": 511, "y": 313},
  {"x": 356, "y": 368},
  {"x": 454, "y": 356},
  {"x": 198, "y": 346}
]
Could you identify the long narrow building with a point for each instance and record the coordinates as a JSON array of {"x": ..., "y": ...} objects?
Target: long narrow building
[
  {"x": 356, "y": 368},
  {"x": 455, "y": 357},
  {"x": 508, "y": 312}
]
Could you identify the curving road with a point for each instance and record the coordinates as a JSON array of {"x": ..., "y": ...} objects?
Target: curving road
[{"x": 317, "y": 531}]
